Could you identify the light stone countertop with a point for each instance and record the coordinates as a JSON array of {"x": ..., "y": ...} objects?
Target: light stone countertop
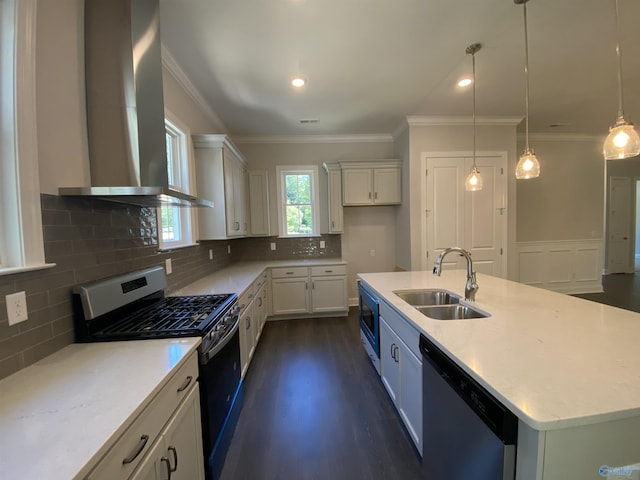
[
  {"x": 238, "y": 276},
  {"x": 59, "y": 416},
  {"x": 554, "y": 360}
]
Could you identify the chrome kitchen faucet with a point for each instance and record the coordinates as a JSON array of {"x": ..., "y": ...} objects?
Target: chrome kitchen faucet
[{"x": 471, "y": 287}]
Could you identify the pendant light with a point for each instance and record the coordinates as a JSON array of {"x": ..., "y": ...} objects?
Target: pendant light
[
  {"x": 473, "y": 183},
  {"x": 528, "y": 166},
  {"x": 623, "y": 140}
]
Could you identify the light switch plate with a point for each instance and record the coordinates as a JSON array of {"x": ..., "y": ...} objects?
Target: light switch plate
[
  {"x": 16, "y": 307},
  {"x": 167, "y": 266},
  {"x": 322, "y": 244},
  {"x": 273, "y": 245},
  {"x": 210, "y": 254}
]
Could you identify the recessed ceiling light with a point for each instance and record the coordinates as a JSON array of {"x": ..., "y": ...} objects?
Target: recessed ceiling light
[
  {"x": 465, "y": 82},
  {"x": 298, "y": 82}
]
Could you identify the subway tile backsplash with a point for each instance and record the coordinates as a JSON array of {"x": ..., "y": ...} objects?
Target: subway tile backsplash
[{"x": 89, "y": 239}]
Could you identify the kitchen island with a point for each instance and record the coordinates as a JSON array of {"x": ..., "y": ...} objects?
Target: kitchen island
[{"x": 569, "y": 369}]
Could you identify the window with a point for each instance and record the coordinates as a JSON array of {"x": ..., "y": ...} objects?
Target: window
[
  {"x": 176, "y": 224},
  {"x": 21, "y": 243},
  {"x": 298, "y": 212}
]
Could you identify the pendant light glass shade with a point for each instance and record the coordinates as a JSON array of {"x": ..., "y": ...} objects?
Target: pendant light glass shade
[
  {"x": 623, "y": 140},
  {"x": 528, "y": 165},
  {"x": 473, "y": 183}
]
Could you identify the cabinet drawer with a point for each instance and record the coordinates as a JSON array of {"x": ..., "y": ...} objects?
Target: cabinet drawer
[
  {"x": 328, "y": 270},
  {"x": 121, "y": 460},
  {"x": 407, "y": 333},
  {"x": 244, "y": 299},
  {"x": 291, "y": 272}
]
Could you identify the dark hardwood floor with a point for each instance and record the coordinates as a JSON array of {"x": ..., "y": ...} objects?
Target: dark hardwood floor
[
  {"x": 315, "y": 409},
  {"x": 620, "y": 290}
]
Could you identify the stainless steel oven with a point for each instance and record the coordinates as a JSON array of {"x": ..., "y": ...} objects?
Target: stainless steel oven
[{"x": 369, "y": 313}]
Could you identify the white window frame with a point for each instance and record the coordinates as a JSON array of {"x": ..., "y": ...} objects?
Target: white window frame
[
  {"x": 311, "y": 170},
  {"x": 21, "y": 239},
  {"x": 183, "y": 182}
]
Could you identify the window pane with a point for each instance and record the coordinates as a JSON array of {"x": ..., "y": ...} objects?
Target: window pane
[
  {"x": 298, "y": 189},
  {"x": 170, "y": 159},
  {"x": 171, "y": 224},
  {"x": 299, "y": 221}
]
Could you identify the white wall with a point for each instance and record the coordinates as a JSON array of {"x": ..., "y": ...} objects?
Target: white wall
[
  {"x": 434, "y": 138},
  {"x": 368, "y": 229}
]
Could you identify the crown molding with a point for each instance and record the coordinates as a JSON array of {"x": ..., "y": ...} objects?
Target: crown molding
[
  {"x": 178, "y": 74},
  {"x": 447, "y": 121},
  {"x": 562, "y": 137},
  {"x": 274, "y": 139}
]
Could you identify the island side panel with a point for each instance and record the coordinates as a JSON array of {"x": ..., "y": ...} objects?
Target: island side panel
[{"x": 530, "y": 454}]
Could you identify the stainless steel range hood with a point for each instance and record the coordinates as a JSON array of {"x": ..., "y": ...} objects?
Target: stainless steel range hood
[{"x": 125, "y": 107}]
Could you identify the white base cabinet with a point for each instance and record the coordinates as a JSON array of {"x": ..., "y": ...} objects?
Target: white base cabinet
[
  {"x": 401, "y": 370},
  {"x": 168, "y": 428},
  {"x": 177, "y": 454},
  {"x": 309, "y": 290},
  {"x": 253, "y": 310}
]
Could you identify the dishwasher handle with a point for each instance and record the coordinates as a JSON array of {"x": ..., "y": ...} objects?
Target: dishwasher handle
[{"x": 495, "y": 415}]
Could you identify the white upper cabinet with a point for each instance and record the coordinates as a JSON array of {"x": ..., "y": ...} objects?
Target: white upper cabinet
[
  {"x": 222, "y": 176},
  {"x": 372, "y": 182},
  {"x": 334, "y": 182},
  {"x": 259, "y": 203}
]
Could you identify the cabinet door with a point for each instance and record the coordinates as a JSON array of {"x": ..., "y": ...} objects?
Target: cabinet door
[
  {"x": 259, "y": 203},
  {"x": 387, "y": 186},
  {"x": 411, "y": 393},
  {"x": 230, "y": 173},
  {"x": 151, "y": 467},
  {"x": 246, "y": 338},
  {"x": 329, "y": 294},
  {"x": 335, "y": 202},
  {"x": 356, "y": 186},
  {"x": 183, "y": 441},
  {"x": 241, "y": 197},
  {"x": 290, "y": 295},
  {"x": 390, "y": 361}
]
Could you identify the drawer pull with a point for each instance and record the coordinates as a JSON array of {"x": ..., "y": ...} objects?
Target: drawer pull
[
  {"x": 173, "y": 450},
  {"x": 186, "y": 383},
  {"x": 165, "y": 460},
  {"x": 141, "y": 444},
  {"x": 328, "y": 271},
  {"x": 289, "y": 273}
]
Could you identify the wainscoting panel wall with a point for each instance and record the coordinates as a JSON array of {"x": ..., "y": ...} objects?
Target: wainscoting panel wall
[{"x": 565, "y": 266}]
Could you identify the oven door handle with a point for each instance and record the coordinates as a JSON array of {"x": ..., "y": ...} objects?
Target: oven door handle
[{"x": 206, "y": 356}]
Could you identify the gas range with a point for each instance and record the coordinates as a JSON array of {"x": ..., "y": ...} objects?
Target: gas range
[{"x": 133, "y": 307}]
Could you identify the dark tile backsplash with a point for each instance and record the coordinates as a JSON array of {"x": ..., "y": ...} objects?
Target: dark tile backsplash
[{"x": 90, "y": 239}]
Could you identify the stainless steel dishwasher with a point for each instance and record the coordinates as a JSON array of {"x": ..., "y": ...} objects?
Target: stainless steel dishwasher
[{"x": 467, "y": 433}]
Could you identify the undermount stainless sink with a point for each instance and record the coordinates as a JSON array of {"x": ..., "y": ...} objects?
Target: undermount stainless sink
[
  {"x": 451, "y": 312},
  {"x": 439, "y": 304},
  {"x": 419, "y": 298}
]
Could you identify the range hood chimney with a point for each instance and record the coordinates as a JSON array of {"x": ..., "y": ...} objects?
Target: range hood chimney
[{"x": 125, "y": 107}]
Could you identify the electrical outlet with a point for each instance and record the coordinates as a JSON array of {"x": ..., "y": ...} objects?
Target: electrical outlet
[
  {"x": 372, "y": 253},
  {"x": 210, "y": 254},
  {"x": 16, "y": 307},
  {"x": 322, "y": 244},
  {"x": 167, "y": 266},
  {"x": 273, "y": 245}
]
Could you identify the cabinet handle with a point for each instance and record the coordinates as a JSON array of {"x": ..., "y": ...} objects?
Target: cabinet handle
[
  {"x": 185, "y": 384},
  {"x": 141, "y": 444},
  {"x": 165, "y": 460},
  {"x": 289, "y": 273},
  {"x": 313, "y": 285},
  {"x": 237, "y": 225},
  {"x": 328, "y": 271},
  {"x": 333, "y": 224},
  {"x": 306, "y": 285},
  {"x": 391, "y": 350},
  {"x": 369, "y": 195},
  {"x": 248, "y": 323},
  {"x": 260, "y": 301},
  {"x": 376, "y": 195},
  {"x": 173, "y": 450},
  {"x": 395, "y": 355}
]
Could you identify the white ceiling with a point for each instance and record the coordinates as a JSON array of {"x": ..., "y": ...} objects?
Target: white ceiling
[{"x": 371, "y": 63}]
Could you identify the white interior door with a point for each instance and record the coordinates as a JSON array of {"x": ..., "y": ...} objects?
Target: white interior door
[
  {"x": 619, "y": 246},
  {"x": 445, "y": 209},
  {"x": 475, "y": 221}
]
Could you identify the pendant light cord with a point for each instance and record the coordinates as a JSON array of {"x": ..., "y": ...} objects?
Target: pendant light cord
[
  {"x": 526, "y": 74},
  {"x": 619, "y": 55},
  {"x": 473, "y": 62}
]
